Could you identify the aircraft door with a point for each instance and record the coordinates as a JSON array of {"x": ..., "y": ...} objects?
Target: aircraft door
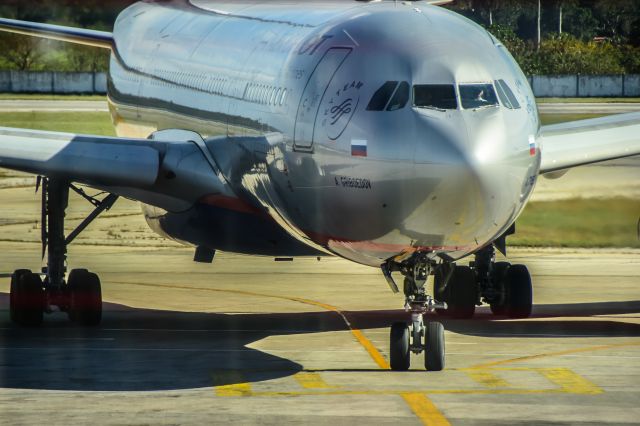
[{"x": 317, "y": 85}]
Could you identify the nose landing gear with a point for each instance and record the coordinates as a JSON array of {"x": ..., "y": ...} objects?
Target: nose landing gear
[
  {"x": 80, "y": 295},
  {"x": 418, "y": 336}
]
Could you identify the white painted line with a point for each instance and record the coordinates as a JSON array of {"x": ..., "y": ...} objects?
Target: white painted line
[
  {"x": 171, "y": 330},
  {"x": 555, "y": 356},
  {"x": 67, "y": 349}
]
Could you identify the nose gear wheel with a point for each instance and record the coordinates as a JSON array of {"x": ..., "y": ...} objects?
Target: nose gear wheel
[{"x": 417, "y": 336}]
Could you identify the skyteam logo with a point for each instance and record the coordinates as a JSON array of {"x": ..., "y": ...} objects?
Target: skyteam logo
[
  {"x": 358, "y": 148},
  {"x": 339, "y": 107}
]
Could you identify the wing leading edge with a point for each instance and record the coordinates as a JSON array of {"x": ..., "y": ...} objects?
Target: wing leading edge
[
  {"x": 94, "y": 38},
  {"x": 579, "y": 143},
  {"x": 172, "y": 170}
]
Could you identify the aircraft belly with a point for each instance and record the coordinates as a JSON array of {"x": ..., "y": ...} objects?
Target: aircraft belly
[{"x": 232, "y": 228}]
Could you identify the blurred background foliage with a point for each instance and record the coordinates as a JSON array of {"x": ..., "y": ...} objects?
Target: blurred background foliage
[{"x": 576, "y": 36}]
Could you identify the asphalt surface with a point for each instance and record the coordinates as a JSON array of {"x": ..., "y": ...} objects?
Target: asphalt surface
[
  {"x": 251, "y": 341},
  {"x": 247, "y": 340},
  {"x": 588, "y": 108},
  {"x": 93, "y": 106}
]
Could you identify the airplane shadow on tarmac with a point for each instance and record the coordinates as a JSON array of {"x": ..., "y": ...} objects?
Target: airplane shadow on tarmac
[{"x": 146, "y": 350}]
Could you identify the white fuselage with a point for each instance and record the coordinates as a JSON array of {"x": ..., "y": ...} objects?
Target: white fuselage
[{"x": 433, "y": 172}]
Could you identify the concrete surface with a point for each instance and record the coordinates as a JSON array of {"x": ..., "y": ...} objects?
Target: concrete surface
[
  {"x": 617, "y": 178},
  {"x": 251, "y": 341},
  {"x": 247, "y": 340},
  {"x": 601, "y": 85},
  {"x": 552, "y": 86},
  {"x": 574, "y": 86},
  {"x": 52, "y": 82},
  {"x": 77, "y": 82},
  {"x": 588, "y": 108}
]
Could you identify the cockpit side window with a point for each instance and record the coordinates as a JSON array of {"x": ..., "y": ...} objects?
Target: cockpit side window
[
  {"x": 380, "y": 99},
  {"x": 435, "y": 96},
  {"x": 400, "y": 98},
  {"x": 501, "y": 85},
  {"x": 504, "y": 99},
  {"x": 475, "y": 96}
]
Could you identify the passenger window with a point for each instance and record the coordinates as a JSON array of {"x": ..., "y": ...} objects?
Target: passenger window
[
  {"x": 475, "y": 96},
  {"x": 507, "y": 90},
  {"x": 380, "y": 99},
  {"x": 435, "y": 96},
  {"x": 400, "y": 98}
]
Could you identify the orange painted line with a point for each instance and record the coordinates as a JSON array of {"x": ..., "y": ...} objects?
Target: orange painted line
[
  {"x": 552, "y": 354},
  {"x": 373, "y": 352},
  {"x": 425, "y": 410}
]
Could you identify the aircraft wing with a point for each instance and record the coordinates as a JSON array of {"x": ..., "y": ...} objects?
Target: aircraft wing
[
  {"x": 56, "y": 32},
  {"x": 439, "y": 2},
  {"x": 578, "y": 143},
  {"x": 172, "y": 170}
]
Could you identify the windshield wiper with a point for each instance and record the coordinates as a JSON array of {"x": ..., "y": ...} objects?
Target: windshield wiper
[
  {"x": 431, "y": 107},
  {"x": 485, "y": 106}
]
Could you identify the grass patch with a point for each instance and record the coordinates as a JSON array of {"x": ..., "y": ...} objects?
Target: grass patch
[
  {"x": 547, "y": 119},
  {"x": 587, "y": 100},
  {"x": 99, "y": 123},
  {"x": 579, "y": 223},
  {"x": 45, "y": 97},
  {"x": 95, "y": 123}
]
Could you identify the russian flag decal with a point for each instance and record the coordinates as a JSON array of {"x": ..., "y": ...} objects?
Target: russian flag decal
[
  {"x": 532, "y": 145},
  {"x": 358, "y": 148}
]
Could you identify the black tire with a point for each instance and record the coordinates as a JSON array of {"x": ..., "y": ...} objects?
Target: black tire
[
  {"x": 434, "y": 347},
  {"x": 85, "y": 297},
  {"x": 26, "y": 301},
  {"x": 499, "y": 271},
  {"x": 399, "y": 347},
  {"x": 519, "y": 292},
  {"x": 462, "y": 293},
  {"x": 13, "y": 298}
]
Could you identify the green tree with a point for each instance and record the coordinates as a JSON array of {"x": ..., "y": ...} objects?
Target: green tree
[{"x": 20, "y": 52}]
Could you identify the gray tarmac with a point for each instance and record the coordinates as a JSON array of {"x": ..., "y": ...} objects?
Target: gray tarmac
[
  {"x": 247, "y": 340},
  {"x": 251, "y": 341},
  {"x": 588, "y": 108}
]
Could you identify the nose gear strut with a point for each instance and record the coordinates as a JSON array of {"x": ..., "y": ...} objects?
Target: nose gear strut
[{"x": 418, "y": 336}]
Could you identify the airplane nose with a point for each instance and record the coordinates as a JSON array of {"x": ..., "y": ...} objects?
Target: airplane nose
[{"x": 461, "y": 157}]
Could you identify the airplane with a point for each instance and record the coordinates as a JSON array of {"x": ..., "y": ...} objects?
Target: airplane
[{"x": 398, "y": 135}]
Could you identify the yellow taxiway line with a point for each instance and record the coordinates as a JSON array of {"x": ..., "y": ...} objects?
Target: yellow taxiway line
[{"x": 566, "y": 380}]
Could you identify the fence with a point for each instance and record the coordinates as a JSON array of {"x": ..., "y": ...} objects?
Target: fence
[
  {"x": 557, "y": 86},
  {"x": 53, "y": 82},
  {"x": 585, "y": 86}
]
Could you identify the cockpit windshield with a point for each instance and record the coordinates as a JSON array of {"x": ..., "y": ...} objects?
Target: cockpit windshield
[
  {"x": 475, "y": 96},
  {"x": 435, "y": 96}
]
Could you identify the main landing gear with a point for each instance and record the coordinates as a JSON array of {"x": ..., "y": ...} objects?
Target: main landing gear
[
  {"x": 505, "y": 287},
  {"x": 418, "y": 336},
  {"x": 80, "y": 295}
]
